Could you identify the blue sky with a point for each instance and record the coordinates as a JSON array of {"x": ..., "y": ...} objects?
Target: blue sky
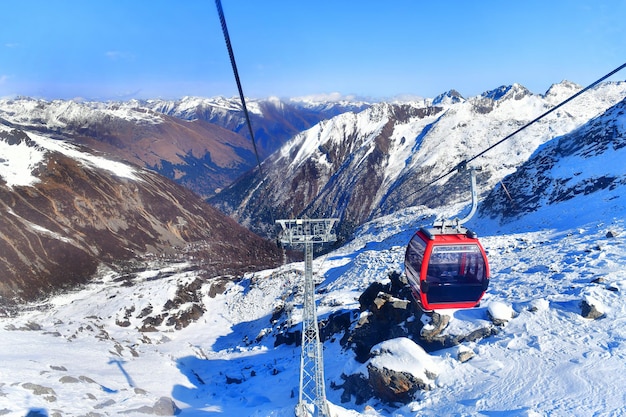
[{"x": 119, "y": 50}]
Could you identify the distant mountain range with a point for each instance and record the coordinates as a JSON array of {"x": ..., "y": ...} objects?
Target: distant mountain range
[
  {"x": 91, "y": 184},
  {"x": 200, "y": 143}
]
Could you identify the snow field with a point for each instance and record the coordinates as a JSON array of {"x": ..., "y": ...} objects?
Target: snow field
[{"x": 546, "y": 360}]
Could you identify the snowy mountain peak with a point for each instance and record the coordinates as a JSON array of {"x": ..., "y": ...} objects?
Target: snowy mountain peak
[
  {"x": 564, "y": 88},
  {"x": 448, "y": 98},
  {"x": 64, "y": 114},
  {"x": 514, "y": 91}
]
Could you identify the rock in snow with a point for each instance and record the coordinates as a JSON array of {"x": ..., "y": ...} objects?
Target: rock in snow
[
  {"x": 591, "y": 308},
  {"x": 499, "y": 312},
  {"x": 398, "y": 368}
]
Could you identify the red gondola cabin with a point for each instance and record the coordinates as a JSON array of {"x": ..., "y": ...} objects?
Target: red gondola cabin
[{"x": 446, "y": 270}]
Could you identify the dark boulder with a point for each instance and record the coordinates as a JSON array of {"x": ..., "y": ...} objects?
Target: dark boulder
[{"x": 393, "y": 386}]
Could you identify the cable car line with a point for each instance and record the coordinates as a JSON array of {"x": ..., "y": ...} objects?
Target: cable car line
[
  {"x": 231, "y": 54},
  {"x": 463, "y": 164},
  {"x": 233, "y": 63}
]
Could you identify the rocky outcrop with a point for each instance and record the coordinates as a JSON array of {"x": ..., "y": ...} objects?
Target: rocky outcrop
[
  {"x": 392, "y": 312},
  {"x": 164, "y": 406},
  {"x": 384, "y": 319},
  {"x": 385, "y": 384},
  {"x": 393, "y": 386},
  {"x": 591, "y": 309},
  {"x": 387, "y": 312},
  {"x": 378, "y": 378}
]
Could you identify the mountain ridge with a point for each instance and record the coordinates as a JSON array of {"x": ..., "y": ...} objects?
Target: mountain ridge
[
  {"x": 391, "y": 150},
  {"x": 563, "y": 168}
]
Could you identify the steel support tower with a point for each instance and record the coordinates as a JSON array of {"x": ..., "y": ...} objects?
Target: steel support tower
[{"x": 312, "y": 398}]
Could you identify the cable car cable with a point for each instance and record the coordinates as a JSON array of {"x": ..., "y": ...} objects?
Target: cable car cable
[
  {"x": 233, "y": 63},
  {"x": 463, "y": 164},
  {"x": 231, "y": 54}
]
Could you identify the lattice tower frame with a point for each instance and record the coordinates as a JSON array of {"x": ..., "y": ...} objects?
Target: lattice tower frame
[{"x": 312, "y": 397}]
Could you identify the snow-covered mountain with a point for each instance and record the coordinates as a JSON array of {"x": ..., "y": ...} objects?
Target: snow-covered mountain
[
  {"x": 357, "y": 166},
  {"x": 554, "y": 343},
  {"x": 67, "y": 211}
]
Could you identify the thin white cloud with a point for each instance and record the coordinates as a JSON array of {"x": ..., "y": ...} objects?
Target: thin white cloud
[
  {"x": 112, "y": 54},
  {"x": 118, "y": 55},
  {"x": 335, "y": 96},
  {"x": 11, "y": 45},
  {"x": 3, "y": 78}
]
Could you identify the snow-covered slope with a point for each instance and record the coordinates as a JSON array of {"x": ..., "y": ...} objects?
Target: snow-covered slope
[
  {"x": 588, "y": 160},
  {"x": 545, "y": 359}
]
